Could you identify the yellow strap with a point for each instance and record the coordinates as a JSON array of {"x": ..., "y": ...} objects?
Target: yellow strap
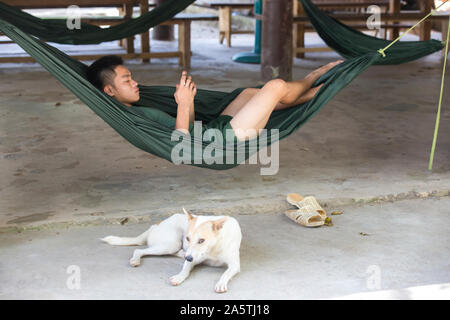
[
  {"x": 381, "y": 51},
  {"x": 430, "y": 165}
]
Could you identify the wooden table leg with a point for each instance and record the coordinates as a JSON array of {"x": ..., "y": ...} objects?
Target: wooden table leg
[
  {"x": 394, "y": 7},
  {"x": 225, "y": 25},
  {"x": 299, "y": 30},
  {"x": 184, "y": 43},
  {"x": 130, "y": 40},
  {"x": 425, "y": 27},
  {"x": 145, "y": 37}
]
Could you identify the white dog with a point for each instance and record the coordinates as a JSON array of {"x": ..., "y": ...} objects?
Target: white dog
[{"x": 214, "y": 240}]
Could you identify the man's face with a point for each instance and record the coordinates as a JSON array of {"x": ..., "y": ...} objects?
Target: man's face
[{"x": 125, "y": 89}]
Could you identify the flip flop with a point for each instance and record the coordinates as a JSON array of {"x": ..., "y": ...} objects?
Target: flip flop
[
  {"x": 300, "y": 202},
  {"x": 307, "y": 216}
]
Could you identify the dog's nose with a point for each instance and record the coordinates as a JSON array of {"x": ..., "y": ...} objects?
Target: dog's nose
[{"x": 189, "y": 258}]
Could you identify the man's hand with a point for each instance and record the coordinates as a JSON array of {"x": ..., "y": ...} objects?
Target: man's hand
[
  {"x": 184, "y": 96},
  {"x": 185, "y": 90}
]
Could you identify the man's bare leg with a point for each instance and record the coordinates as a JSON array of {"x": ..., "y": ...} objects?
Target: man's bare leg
[
  {"x": 239, "y": 102},
  {"x": 254, "y": 114},
  {"x": 300, "y": 89},
  {"x": 307, "y": 96}
]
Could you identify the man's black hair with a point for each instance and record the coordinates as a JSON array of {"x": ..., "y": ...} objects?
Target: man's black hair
[{"x": 101, "y": 72}]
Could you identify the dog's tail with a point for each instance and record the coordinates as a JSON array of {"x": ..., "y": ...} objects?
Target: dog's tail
[{"x": 140, "y": 240}]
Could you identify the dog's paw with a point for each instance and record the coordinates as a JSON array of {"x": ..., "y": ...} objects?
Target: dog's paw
[
  {"x": 220, "y": 287},
  {"x": 176, "y": 280},
  {"x": 135, "y": 262}
]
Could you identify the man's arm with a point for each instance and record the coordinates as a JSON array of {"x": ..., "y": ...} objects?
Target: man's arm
[{"x": 183, "y": 117}]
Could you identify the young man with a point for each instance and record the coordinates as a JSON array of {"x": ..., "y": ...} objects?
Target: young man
[{"x": 248, "y": 112}]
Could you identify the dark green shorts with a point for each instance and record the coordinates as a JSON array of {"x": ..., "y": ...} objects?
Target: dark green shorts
[{"x": 221, "y": 123}]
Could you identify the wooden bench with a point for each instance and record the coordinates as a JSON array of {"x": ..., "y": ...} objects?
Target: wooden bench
[
  {"x": 184, "y": 53},
  {"x": 126, "y": 5},
  {"x": 225, "y": 12},
  {"x": 182, "y": 20},
  {"x": 352, "y": 6}
]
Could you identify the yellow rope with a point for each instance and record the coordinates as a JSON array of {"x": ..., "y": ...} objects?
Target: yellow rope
[
  {"x": 430, "y": 165},
  {"x": 423, "y": 19},
  {"x": 436, "y": 129}
]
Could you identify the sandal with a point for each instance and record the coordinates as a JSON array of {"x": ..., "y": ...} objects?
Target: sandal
[
  {"x": 311, "y": 202},
  {"x": 306, "y": 216}
]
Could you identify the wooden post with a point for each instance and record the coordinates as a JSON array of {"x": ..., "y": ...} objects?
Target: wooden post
[
  {"x": 299, "y": 29},
  {"x": 184, "y": 43},
  {"x": 225, "y": 24},
  {"x": 276, "y": 40},
  {"x": 145, "y": 38},
  {"x": 164, "y": 32},
  {"x": 394, "y": 7},
  {"x": 425, "y": 27}
]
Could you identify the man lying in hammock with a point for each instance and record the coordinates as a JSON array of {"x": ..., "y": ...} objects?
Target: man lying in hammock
[{"x": 247, "y": 113}]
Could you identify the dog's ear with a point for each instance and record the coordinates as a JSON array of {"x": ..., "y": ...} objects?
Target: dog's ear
[
  {"x": 218, "y": 224},
  {"x": 189, "y": 216}
]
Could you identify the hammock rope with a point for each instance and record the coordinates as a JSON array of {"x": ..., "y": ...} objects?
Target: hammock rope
[{"x": 438, "y": 116}]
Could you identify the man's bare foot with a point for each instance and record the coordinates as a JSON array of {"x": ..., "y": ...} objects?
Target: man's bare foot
[{"x": 314, "y": 75}]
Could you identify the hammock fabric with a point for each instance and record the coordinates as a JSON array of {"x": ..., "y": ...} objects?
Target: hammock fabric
[
  {"x": 55, "y": 30},
  {"x": 351, "y": 43}
]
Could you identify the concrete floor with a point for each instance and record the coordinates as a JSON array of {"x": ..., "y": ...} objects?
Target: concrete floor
[
  {"x": 388, "y": 246},
  {"x": 61, "y": 166}
]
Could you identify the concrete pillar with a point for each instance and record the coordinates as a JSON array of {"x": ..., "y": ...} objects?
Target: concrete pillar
[
  {"x": 276, "y": 40},
  {"x": 163, "y": 32}
]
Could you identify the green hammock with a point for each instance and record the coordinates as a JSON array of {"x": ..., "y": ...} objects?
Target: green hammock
[
  {"x": 150, "y": 128},
  {"x": 55, "y": 30},
  {"x": 351, "y": 43}
]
